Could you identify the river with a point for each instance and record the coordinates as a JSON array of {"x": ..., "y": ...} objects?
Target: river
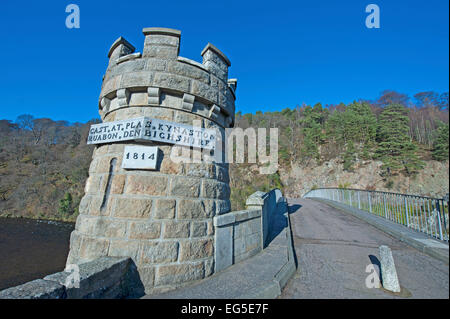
[{"x": 31, "y": 249}]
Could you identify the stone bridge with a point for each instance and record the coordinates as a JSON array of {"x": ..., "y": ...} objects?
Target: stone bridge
[
  {"x": 314, "y": 249},
  {"x": 158, "y": 224},
  {"x": 332, "y": 246}
]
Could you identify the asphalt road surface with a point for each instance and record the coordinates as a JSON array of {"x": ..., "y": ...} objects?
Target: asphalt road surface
[{"x": 333, "y": 250}]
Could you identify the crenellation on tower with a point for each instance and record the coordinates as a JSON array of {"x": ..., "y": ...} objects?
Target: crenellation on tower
[
  {"x": 216, "y": 62},
  {"x": 161, "y": 43},
  {"x": 159, "y": 66},
  {"x": 232, "y": 84},
  {"x": 119, "y": 48}
]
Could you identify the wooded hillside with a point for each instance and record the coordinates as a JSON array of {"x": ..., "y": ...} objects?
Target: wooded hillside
[
  {"x": 44, "y": 163},
  {"x": 43, "y": 167},
  {"x": 400, "y": 131}
]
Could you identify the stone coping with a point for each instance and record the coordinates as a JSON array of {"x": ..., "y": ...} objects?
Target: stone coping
[
  {"x": 256, "y": 199},
  {"x": 210, "y": 46},
  {"x": 192, "y": 62},
  {"x": 36, "y": 289},
  {"x": 128, "y": 57},
  {"x": 119, "y": 41},
  {"x": 232, "y": 84},
  {"x": 162, "y": 31},
  {"x": 104, "y": 277},
  {"x": 237, "y": 216}
]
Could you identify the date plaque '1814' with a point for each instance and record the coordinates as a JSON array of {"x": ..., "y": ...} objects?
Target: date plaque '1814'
[{"x": 140, "y": 157}]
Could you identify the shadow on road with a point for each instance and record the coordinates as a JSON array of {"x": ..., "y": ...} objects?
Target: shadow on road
[
  {"x": 376, "y": 262},
  {"x": 293, "y": 208},
  {"x": 277, "y": 223}
]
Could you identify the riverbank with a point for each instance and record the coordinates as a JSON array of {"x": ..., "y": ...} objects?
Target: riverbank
[{"x": 70, "y": 220}]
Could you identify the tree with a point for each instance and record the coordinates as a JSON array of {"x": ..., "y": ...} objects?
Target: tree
[
  {"x": 443, "y": 101},
  {"x": 36, "y": 126},
  {"x": 313, "y": 123},
  {"x": 349, "y": 157},
  {"x": 357, "y": 124},
  {"x": 395, "y": 148},
  {"x": 65, "y": 205},
  {"x": 6, "y": 127},
  {"x": 432, "y": 99},
  {"x": 441, "y": 147},
  {"x": 25, "y": 121},
  {"x": 392, "y": 97},
  {"x": 427, "y": 99}
]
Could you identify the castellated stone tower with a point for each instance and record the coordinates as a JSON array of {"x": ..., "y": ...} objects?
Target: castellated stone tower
[{"x": 162, "y": 218}]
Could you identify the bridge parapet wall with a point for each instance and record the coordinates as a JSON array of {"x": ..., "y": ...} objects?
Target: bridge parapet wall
[
  {"x": 243, "y": 234},
  {"x": 105, "y": 277}
]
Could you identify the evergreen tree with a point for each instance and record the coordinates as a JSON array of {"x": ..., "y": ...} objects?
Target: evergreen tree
[
  {"x": 357, "y": 124},
  {"x": 440, "y": 147},
  {"x": 395, "y": 148},
  {"x": 349, "y": 157},
  {"x": 313, "y": 122},
  {"x": 65, "y": 205},
  {"x": 310, "y": 149}
]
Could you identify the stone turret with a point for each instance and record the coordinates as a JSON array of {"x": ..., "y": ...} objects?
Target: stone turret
[{"x": 162, "y": 218}]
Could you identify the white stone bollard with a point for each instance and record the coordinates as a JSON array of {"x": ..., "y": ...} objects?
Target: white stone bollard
[{"x": 388, "y": 272}]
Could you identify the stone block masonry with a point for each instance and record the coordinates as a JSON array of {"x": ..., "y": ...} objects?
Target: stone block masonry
[
  {"x": 261, "y": 275},
  {"x": 238, "y": 237},
  {"x": 162, "y": 219},
  {"x": 242, "y": 234}
]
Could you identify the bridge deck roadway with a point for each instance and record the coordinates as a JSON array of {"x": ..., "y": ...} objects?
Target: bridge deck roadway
[{"x": 333, "y": 250}]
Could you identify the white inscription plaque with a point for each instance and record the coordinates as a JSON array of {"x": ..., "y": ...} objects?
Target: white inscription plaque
[
  {"x": 117, "y": 131},
  {"x": 148, "y": 129},
  {"x": 140, "y": 157}
]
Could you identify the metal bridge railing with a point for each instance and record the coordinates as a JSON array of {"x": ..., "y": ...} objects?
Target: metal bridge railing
[{"x": 424, "y": 214}]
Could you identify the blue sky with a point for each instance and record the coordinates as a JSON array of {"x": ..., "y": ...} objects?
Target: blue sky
[{"x": 283, "y": 53}]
